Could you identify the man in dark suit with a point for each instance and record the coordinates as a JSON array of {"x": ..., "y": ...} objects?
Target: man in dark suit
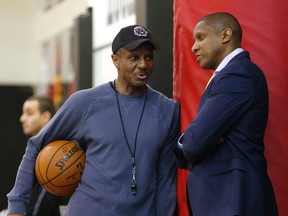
[{"x": 223, "y": 146}]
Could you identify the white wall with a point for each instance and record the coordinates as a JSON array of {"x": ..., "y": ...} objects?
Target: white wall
[
  {"x": 104, "y": 33},
  {"x": 16, "y": 25},
  {"x": 23, "y": 29}
]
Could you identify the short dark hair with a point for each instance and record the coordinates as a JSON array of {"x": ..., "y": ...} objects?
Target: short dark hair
[
  {"x": 45, "y": 104},
  {"x": 221, "y": 20}
]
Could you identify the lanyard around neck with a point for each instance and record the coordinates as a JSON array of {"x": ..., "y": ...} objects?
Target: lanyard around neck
[{"x": 132, "y": 152}]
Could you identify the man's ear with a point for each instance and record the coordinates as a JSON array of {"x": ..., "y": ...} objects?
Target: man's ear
[
  {"x": 227, "y": 35},
  {"x": 46, "y": 116},
  {"x": 115, "y": 59}
]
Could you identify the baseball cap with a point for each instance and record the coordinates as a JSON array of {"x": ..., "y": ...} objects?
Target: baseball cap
[{"x": 131, "y": 37}]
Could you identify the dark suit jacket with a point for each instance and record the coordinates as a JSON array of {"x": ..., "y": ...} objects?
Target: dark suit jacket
[{"x": 230, "y": 178}]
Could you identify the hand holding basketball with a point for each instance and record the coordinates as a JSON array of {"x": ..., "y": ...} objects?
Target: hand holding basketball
[{"x": 59, "y": 167}]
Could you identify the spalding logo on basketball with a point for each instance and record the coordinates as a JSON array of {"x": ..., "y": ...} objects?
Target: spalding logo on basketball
[{"x": 59, "y": 166}]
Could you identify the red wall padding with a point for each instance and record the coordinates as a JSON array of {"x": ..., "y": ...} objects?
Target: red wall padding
[{"x": 265, "y": 35}]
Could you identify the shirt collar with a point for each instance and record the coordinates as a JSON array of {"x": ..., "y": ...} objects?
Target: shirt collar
[{"x": 228, "y": 58}]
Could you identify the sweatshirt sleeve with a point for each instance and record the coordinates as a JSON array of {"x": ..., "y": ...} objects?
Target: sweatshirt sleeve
[
  {"x": 64, "y": 125},
  {"x": 166, "y": 170}
]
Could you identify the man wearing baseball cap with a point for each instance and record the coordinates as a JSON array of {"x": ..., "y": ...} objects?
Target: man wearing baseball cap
[{"x": 129, "y": 132}]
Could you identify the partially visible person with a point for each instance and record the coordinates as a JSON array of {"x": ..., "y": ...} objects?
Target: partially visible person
[
  {"x": 223, "y": 146},
  {"x": 37, "y": 112},
  {"x": 128, "y": 131}
]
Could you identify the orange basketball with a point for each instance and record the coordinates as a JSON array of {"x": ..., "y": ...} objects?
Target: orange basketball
[{"x": 59, "y": 167}]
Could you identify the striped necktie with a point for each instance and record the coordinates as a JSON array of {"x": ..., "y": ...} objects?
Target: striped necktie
[{"x": 214, "y": 73}]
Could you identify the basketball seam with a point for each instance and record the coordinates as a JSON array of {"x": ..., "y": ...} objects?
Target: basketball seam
[
  {"x": 67, "y": 186},
  {"x": 50, "y": 163},
  {"x": 49, "y": 181}
]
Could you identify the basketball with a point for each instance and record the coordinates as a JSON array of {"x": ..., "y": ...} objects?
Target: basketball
[{"x": 59, "y": 167}]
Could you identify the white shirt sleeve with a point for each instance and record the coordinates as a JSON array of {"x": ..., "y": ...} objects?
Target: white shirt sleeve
[{"x": 179, "y": 144}]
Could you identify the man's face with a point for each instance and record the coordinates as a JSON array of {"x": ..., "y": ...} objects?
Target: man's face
[
  {"x": 32, "y": 120},
  {"x": 208, "y": 46},
  {"x": 134, "y": 67}
]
